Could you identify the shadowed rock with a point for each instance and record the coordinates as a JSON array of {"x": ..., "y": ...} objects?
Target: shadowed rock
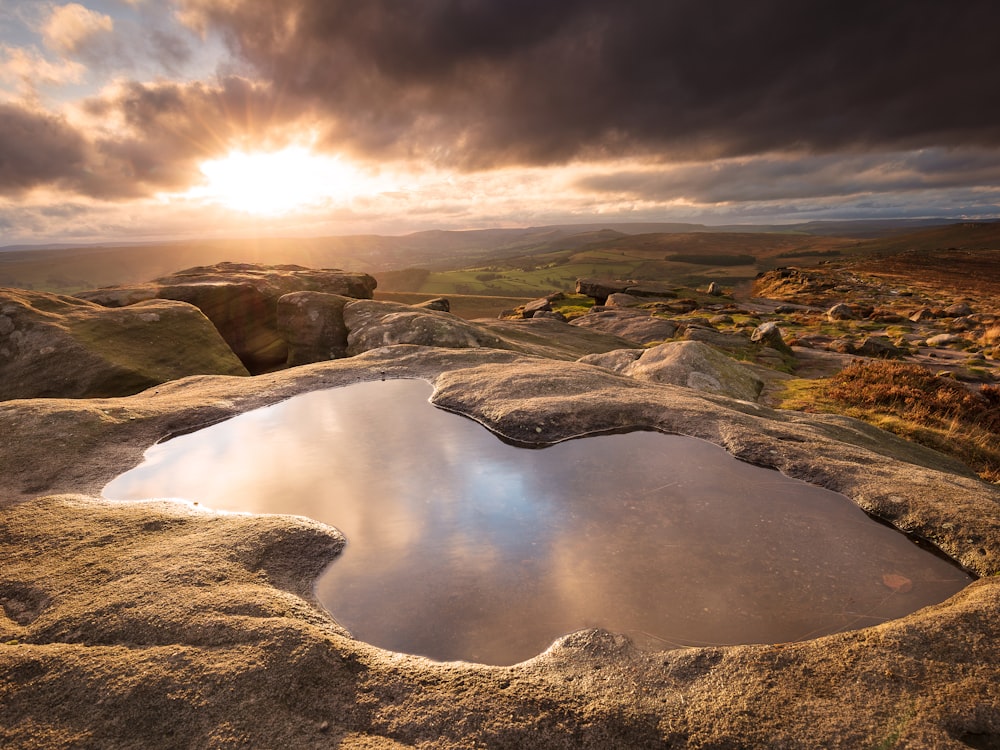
[
  {"x": 312, "y": 326},
  {"x": 55, "y": 346},
  {"x": 241, "y": 300},
  {"x": 601, "y": 289},
  {"x": 768, "y": 334}
]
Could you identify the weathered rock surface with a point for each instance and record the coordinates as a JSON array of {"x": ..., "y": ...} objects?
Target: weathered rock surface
[
  {"x": 312, "y": 326},
  {"x": 241, "y": 300},
  {"x": 55, "y": 346},
  {"x": 733, "y": 342},
  {"x": 634, "y": 325},
  {"x": 691, "y": 364},
  {"x": 374, "y": 324},
  {"x": 131, "y": 624}
]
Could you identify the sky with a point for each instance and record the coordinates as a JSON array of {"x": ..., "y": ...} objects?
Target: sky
[{"x": 158, "y": 119}]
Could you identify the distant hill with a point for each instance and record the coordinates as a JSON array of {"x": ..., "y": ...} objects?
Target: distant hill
[{"x": 515, "y": 261}]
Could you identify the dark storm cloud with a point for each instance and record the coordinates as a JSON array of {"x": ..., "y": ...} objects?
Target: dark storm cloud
[
  {"x": 36, "y": 149},
  {"x": 826, "y": 176},
  {"x": 488, "y": 82}
]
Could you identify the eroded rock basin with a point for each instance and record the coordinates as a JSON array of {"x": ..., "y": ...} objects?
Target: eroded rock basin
[{"x": 463, "y": 547}]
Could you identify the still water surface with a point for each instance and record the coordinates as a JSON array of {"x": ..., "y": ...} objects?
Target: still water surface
[{"x": 463, "y": 547}]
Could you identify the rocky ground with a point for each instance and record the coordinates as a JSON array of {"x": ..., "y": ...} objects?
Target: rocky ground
[{"x": 164, "y": 625}]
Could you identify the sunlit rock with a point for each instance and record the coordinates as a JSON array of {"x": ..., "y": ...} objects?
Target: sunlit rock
[
  {"x": 691, "y": 364},
  {"x": 241, "y": 300},
  {"x": 55, "y": 346},
  {"x": 634, "y": 325}
]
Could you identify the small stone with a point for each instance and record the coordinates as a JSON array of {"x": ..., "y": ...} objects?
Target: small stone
[
  {"x": 924, "y": 313},
  {"x": 538, "y": 305},
  {"x": 840, "y": 312},
  {"x": 438, "y": 303},
  {"x": 770, "y": 335},
  {"x": 944, "y": 339},
  {"x": 958, "y": 310}
]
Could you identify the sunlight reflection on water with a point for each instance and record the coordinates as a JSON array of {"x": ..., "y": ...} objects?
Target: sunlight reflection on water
[{"x": 463, "y": 547}]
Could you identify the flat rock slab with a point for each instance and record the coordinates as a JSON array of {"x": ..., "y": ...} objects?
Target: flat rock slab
[
  {"x": 156, "y": 624},
  {"x": 56, "y": 346},
  {"x": 634, "y": 325}
]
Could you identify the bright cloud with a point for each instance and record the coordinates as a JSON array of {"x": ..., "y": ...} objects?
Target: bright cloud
[{"x": 72, "y": 27}]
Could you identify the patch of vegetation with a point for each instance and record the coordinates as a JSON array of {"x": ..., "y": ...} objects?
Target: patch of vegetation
[
  {"x": 573, "y": 305},
  {"x": 913, "y": 402}
]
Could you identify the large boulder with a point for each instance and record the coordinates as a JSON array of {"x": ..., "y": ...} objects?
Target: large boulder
[
  {"x": 640, "y": 327},
  {"x": 601, "y": 289},
  {"x": 372, "y": 324},
  {"x": 312, "y": 326},
  {"x": 55, "y": 346},
  {"x": 691, "y": 364},
  {"x": 241, "y": 299}
]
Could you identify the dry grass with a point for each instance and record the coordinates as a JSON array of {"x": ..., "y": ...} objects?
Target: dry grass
[{"x": 926, "y": 408}]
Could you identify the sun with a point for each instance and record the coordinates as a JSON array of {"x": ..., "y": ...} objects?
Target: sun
[{"x": 271, "y": 183}]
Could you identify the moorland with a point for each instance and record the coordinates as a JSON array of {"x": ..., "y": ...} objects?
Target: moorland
[{"x": 860, "y": 358}]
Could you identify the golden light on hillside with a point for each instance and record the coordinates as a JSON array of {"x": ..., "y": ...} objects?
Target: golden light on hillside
[{"x": 278, "y": 182}]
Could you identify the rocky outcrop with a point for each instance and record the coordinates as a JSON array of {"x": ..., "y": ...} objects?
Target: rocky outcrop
[
  {"x": 637, "y": 326},
  {"x": 691, "y": 364},
  {"x": 63, "y": 347},
  {"x": 123, "y": 622},
  {"x": 374, "y": 324},
  {"x": 241, "y": 300},
  {"x": 601, "y": 289},
  {"x": 312, "y": 326}
]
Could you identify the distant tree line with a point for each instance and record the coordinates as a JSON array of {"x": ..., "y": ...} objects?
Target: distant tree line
[{"x": 713, "y": 259}]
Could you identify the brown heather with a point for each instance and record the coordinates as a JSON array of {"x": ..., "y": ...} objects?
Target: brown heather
[{"x": 913, "y": 402}]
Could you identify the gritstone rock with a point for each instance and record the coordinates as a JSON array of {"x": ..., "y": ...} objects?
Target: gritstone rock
[
  {"x": 241, "y": 300},
  {"x": 56, "y": 346}
]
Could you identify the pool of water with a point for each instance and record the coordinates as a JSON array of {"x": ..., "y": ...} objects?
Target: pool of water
[{"x": 461, "y": 546}]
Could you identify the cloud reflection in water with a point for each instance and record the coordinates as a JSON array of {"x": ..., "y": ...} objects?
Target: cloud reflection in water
[{"x": 463, "y": 547}]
